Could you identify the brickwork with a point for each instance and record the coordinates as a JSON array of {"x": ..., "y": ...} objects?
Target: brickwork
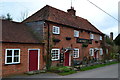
[
  {"x": 69, "y": 32},
  {"x": 24, "y": 65}
]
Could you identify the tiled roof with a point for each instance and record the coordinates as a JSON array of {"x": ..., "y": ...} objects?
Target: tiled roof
[
  {"x": 16, "y": 32},
  {"x": 58, "y": 16}
]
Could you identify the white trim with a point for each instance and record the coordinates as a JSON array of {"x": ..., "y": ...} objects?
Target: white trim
[
  {"x": 38, "y": 58},
  {"x": 76, "y": 33},
  {"x": 100, "y": 37},
  {"x": 57, "y": 30},
  {"x": 91, "y": 36},
  {"x": 78, "y": 52},
  {"x": 58, "y": 54},
  {"x": 101, "y": 51},
  {"x": 12, "y": 56},
  {"x": 70, "y": 59},
  {"x": 91, "y": 49}
]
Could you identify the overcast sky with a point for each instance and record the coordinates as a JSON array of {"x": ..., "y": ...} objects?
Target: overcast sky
[{"x": 83, "y": 8}]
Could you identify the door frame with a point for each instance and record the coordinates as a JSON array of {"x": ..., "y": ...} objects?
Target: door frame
[{"x": 38, "y": 58}]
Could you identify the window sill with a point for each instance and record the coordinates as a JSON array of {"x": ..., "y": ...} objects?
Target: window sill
[
  {"x": 12, "y": 64},
  {"x": 75, "y": 57}
]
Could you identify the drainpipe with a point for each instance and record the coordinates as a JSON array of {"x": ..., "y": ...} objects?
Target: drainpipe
[{"x": 48, "y": 47}]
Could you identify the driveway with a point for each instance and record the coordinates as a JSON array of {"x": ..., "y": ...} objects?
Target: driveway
[{"x": 103, "y": 72}]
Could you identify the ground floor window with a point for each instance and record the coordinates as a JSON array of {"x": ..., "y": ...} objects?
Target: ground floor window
[
  {"x": 55, "y": 54},
  {"x": 12, "y": 56},
  {"x": 101, "y": 51},
  {"x": 91, "y": 52},
  {"x": 76, "y": 53}
]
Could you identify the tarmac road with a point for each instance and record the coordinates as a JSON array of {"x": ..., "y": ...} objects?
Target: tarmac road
[{"x": 110, "y": 71}]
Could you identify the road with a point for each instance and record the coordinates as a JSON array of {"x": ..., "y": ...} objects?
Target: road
[{"x": 103, "y": 72}]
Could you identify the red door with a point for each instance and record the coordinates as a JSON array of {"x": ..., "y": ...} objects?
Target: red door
[
  {"x": 95, "y": 55},
  {"x": 66, "y": 60},
  {"x": 33, "y": 60}
]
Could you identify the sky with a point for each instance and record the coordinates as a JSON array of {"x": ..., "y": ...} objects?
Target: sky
[{"x": 83, "y": 8}]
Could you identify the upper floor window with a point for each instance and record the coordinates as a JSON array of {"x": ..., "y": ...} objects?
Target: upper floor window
[
  {"x": 100, "y": 37},
  {"x": 55, "y": 54},
  {"x": 76, "y": 33},
  {"x": 91, "y": 52},
  {"x": 91, "y": 36},
  {"x": 12, "y": 56},
  {"x": 101, "y": 51},
  {"x": 56, "y": 30},
  {"x": 76, "y": 53}
]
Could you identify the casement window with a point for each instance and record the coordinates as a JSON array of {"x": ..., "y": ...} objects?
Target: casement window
[
  {"x": 100, "y": 37},
  {"x": 101, "y": 51},
  {"x": 76, "y": 33},
  {"x": 106, "y": 51},
  {"x": 55, "y": 54},
  {"x": 91, "y": 52},
  {"x": 76, "y": 53},
  {"x": 56, "y": 30},
  {"x": 12, "y": 56},
  {"x": 91, "y": 36}
]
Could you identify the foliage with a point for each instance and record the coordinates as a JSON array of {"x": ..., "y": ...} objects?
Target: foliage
[
  {"x": 7, "y": 17},
  {"x": 84, "y": 45},
  {"x": 117, "y": 40},
  {"x": 108, "y": 40},
  {"x": 60, "y": 69},
  {"x": 67, "y": 73},
  {"x": 97, "y": 66}
]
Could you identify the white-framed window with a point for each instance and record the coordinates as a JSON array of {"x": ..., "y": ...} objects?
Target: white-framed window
[
  {"x": 12, "y": 56},
  {"x": 76, "y": 53},
  {"x": 76, "y": 33},
  {"x": 56, "y": 30},
  {"x": 100, "y": 37},
  {"x": 91, "y": 52},
  {"x": 55, "y": 54},
  {"x": 106, "y": 51},
  {"x": 101, "y": 51},
  {"x": 91, "y": 36}
]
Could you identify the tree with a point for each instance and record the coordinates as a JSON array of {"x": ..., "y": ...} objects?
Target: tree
[
  {"x": 7, "y": 17},
  {"x": 117, "y": 40},
  {"x": 24, "y": 15}
]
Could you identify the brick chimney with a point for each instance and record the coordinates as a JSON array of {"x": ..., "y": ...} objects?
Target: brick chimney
[
  {"x": 111, "y": 35},
  {"x": 72, "y": 11}
]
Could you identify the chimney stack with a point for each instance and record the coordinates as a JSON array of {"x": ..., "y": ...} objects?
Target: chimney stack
[
  {"x": 111, "y": 35},
  {"x": 72, "y": 11}
]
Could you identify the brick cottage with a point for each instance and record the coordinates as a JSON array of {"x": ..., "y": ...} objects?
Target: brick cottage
[{"x": 63, "y": 35}]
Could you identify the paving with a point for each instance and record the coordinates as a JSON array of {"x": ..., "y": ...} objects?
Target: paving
[{"x": 103, "y": 72}]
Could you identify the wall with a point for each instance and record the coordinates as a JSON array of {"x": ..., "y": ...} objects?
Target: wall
[
  {"x": 69, "y": 32},
  {"x": 23, "y": 66}
]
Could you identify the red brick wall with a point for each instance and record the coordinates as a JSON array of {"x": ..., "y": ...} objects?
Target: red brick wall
[
  {"x": 23, "y": 66},
  {"x": 69, "y": 32}
]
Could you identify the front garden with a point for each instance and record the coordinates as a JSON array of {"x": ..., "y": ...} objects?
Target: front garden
[{"x": 66, "y": 70}]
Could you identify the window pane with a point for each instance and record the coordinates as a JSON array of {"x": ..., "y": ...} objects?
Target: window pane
[
  {"x": 16, "y": 59},
  {"x": 9, "y": 52},
  {"x": 9, "y": 59},
  {"x": 16, "y": 52}
]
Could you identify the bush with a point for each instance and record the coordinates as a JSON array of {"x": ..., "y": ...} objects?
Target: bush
[{"x": 60, "y": 69}]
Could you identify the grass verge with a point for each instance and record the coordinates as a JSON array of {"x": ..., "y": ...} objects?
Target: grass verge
[
  {"x": 67, "y": 73},
  {"x": 97, "y": 66}
]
